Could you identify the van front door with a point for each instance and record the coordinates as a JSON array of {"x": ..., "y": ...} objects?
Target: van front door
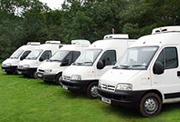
[
  {"x": 107, "y": 60},
  {"x": 169, "y": 81}
]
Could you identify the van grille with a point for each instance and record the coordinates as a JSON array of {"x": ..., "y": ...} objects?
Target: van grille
[
  {"x": 67, "y": 78},
  {"x": 40, "y": 70},
  {"x": 108, "y": 87}
]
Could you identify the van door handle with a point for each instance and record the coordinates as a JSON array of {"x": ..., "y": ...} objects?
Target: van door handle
[{"x": 178, "y": 73}]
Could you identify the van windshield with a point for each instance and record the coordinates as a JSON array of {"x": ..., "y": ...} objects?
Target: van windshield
[
  {"x": 88, "y": 57},
  {"x": 16, "y": 54},
  {"x": 34, "y": 54},
  {"x": 59, "y": 55},
  {"x": 136, "y": 58}
]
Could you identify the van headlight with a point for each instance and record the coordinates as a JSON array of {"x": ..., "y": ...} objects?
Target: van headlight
[
  {"x": 26, "y": 66},
  {"x": 75, "y": 77},
  {"x": 124, "y": 86},
  {"x": 47, "y": 70},
  {"x": 8, "y": 64}
]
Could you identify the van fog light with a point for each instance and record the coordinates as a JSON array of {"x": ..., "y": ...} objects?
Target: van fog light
[
  {"x": 124, "y": 86},
  {"x": 75, "y": 77}
]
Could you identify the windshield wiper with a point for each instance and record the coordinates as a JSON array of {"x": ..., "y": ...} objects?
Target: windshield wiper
[
  {"x": 55, "y": 60},
  {"x": 78, "y": 63},
  {"x": 138, "y": 65},
  {"x": 87, "y": 62},
  {"x": 124, "y": 66}
]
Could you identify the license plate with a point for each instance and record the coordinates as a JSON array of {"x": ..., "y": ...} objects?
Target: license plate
[
  {"x": 64, "y": 87},
  {"x": 39, "y": 75},
  {"x": 106, "y": 100}
]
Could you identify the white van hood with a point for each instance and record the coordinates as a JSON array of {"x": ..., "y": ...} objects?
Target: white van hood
[
  {"x": 49, "y": 65},
  {"x": 86, "y": 72},
  {"x": 115, "y": 76},
  {"x": 12, "y": 62},
  {"x": 29, "y": 63}
]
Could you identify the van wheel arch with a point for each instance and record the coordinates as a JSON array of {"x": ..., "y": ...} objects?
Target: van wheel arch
[
  {"x": 154, "y": 91},
  {"x": 150, "y": 104},
  {"x": 92, "y": 87},
  {"x": 57, "y": 78}
]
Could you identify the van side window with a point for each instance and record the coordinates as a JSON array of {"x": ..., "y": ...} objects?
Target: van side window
[
  {"x": 168, "y": 57},
  {"x": 109, "y": 57},
  {"x": 69, "y": 58},
  {"x": 25, "y": 54},
  {"x": 75, "y": 55},
  {"x": 46, "y": 55}
]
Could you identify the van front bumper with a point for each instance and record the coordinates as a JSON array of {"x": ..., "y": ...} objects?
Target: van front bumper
[
  {"x": 75, "y": 85},
  {"x": 9, "y": 68},
  {"x": 46, "y": 77},
  {"x": 27, "y": 71},
  {"x": 128, "y": 99}
]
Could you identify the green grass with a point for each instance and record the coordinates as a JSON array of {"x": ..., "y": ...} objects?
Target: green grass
[{"x": 32, "y": 100}]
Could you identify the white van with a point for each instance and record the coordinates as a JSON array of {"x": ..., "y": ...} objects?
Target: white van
[
  {"x": 52, "y": 69},
  {"x": 84, "y": 74},
  {"x": 147, "y": 75},
  {"x": 29, "y": 65},
  {"x": 11, "y": 63}
]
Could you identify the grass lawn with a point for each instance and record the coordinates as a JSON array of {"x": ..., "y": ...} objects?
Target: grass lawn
[{"x": 31, "y": 100}]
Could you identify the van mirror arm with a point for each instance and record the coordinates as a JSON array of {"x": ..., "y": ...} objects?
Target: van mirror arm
[
  {"x": 100, "y": 64},
  {"x": 158, "y": 68}
]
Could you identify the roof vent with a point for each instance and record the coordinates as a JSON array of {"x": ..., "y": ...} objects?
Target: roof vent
[
  {"x": 80, "y": 42},
  {"x": 166, "y": 29},
  {"x": 116, "y": 36},
  {"x": 53, "y": 42},
  {"x": 33, "y": 43}
]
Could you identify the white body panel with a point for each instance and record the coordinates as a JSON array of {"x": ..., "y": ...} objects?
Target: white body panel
[
  {"x": 91, "y": 72},
  {"x": 15, "y": 61},
  {"x": 55, "y": 67},
  {"x": 34, "y": 63},
  {"x": 167, "y": 83}
]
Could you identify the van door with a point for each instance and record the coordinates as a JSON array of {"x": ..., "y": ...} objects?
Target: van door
[
  {"x": 108, "y": 59},
  {"x": 169, "y": 81}
]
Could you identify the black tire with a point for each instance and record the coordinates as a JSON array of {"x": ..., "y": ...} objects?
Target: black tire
[
  {"x": 34, "y": 75},
  {"x": 57, "y": 78},
  {"x": 9, "y": 72},
  {"x": 26, "y": 75},
  {"x": 91, "y": 90},
  {"x": 46, "y": 81},
  {"x": 150, "y": 105}
]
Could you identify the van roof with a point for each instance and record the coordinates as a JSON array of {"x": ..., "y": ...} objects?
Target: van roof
[
  {"x": 160, "y": 39},
  {"x": 166, "y": 29},
  {"x": 111, "y": 43},
  {"x": 116, "y": 36}
]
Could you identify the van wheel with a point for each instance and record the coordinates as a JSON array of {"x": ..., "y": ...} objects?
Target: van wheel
[
  {"x": 34, "y": 75},
  {"x": 150, "y": 105},
  {"x": 26, "y": 75},
  {"x": 57, "y": 78},
  {"x": 92, "y": 91},
  {"x": 9, "y": 72}
]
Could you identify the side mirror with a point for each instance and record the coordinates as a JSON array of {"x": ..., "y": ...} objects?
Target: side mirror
[
  {"x": 41, "y": 59},
  {"x": 100, "y": 65},
  {"x": 64, "y": 62},
  {"x": 158, "y": 68},
  {"x": 22, "y": 57}
]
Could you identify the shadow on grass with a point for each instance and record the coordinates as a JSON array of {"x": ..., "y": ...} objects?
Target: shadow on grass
[
  {"x": 133, "y": 113},
  {"x": 71, "y": 95},
  {"x": 124, "y": 113},
  {"x": 170, "y": 107}
]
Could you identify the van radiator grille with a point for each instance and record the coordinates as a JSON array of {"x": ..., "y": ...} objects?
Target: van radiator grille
[
  {"x": 66, "y": 78},
  {"x": 108, "y": 87}
]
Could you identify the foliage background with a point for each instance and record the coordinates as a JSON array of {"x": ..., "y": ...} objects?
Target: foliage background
[{"x": 22, "y": 21}]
